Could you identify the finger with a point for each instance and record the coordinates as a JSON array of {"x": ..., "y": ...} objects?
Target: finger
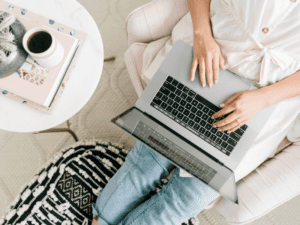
[
  {"x": 234, "y": 128},
  {"x": 227, "y": 109},
  {"x": 229, "y": 119},
  {"x": 215, "y": 65},
  {"x": 231, "y": 125},
  {"x": 193, "y": 69},
  {"x": 222, "y": 61},
  {"x": 208, "y": 68},
  {"x": 202, "y": 72},
  {"x": 231, "y": 99}
]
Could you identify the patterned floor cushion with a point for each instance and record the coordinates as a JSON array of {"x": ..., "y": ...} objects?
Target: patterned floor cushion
[{"x": 63, "y": 191}]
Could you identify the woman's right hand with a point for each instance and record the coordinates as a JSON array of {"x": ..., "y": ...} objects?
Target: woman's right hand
[{"x": 208, "y": 56}]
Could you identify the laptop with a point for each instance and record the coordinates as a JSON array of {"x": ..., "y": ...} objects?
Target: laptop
[{"x": 173, "y": 117}]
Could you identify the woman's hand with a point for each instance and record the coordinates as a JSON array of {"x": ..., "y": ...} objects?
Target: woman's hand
[
  {"x": 243, "y": 105},
  {"x": 208, "y": 56}
]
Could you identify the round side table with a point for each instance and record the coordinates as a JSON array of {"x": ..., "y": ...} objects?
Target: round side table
[{"x": 84, "y": 78}]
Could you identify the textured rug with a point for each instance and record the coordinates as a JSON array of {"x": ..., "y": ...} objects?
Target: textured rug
[{"x": 22, "y": 154}]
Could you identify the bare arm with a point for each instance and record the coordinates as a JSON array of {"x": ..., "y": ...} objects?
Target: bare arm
[
  {"x": 288, "y": 87},
  {"x": 207, "y": 52}
]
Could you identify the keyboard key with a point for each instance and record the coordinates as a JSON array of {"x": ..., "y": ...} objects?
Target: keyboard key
[
  {"x": 229, "y": 148},
  {"x": 191, "y": 123},
  {"x": 244, "y": 127},
  {"x": 165, "y": 90},
  {"x": 185, "y": 119},
  {"x": 192, "y": 93},
  {"x": 192, "y": 116},
  {"x": 169, "y": 109},
  {"x": 185, "y": 90},
  {"x": 180, "y": 86},
  {"x": 204, "y": 117},
  {"x": 188, "y": 106},
  {"x": 202, "y": 123},
  {"x": 170, "y": 102},
  {"x": 164, "y": 105},
  {"x": 205, "y": 109},
  {"x": 196, "y": 127},
  {"x": 172, "y": 96},
  {"x": 225, "y": 137},
  {"x": 194, "y": 103},
  {"x": 182, "y": 102},
  {"x": 219, "y": 134},
  {"x": 194, "y": 110},
  {"x": 178, "y": 92},
  {"x": 213, "y": 137},
  {"x": 232, "y": 142},
  {"x": 180, "y": 109},
  {"x": 199, "y": 113},
  {"x": 218, "y": 141},
  {"x": 189, "y": 99},
  {"x": 210, "y": 120},
  {"x": 169, "y": 79},
  {"x": 214, "y": 130},
  {"x": 177, "y": 99},
  {"x": 183, "y": 95},
  {"x": 200, "y": 106},
  {"x": 175, "y": 105},
  {"x": 239, "y": 132},
  {"x": 202, "y": 130},
  {"x": 197, "y": 119},
  {"x": 208, "y": 126},
  {"x": 175, "y": 82},
  {"x": 180, "y": 116},
  {"x": 224, "y": 144},
  {"x": 234, "y": 136},
  {"x": 159, "y": 95},
  {"x": 174, "y": 112},
  {"x": 210, "y": 113},
  {"x": 157, "y": 101},
  {"x": 169, "y": 86},
  {"x": 164, "y": 98},
  {"x": 186, "y": 112},
  {"x": 207, "y": 133}
]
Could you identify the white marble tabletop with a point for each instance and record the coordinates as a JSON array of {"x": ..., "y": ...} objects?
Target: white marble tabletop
[{"x": 84, "y": 78}]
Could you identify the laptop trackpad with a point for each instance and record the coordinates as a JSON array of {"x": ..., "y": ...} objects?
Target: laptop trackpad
[{"x": 228, "y": 85}]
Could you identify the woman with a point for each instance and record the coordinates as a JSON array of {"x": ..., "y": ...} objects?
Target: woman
[{"x": 256, "y": 39}]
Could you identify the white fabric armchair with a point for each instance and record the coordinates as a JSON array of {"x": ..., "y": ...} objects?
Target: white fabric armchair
[{"x": 274, "y": 182}]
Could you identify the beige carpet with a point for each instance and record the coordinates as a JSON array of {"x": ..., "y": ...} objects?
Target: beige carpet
[{"x": 22, "y": 154}]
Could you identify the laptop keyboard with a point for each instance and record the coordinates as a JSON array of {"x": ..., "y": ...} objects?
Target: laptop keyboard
[{"x": 194, "y": 112}]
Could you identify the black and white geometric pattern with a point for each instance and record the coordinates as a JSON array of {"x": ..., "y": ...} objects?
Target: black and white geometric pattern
[{"x": 63, "y": 191}]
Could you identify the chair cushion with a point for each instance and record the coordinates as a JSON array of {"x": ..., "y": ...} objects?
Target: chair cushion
[
  {"x": 134, "y": 64},
  {"x": 273, "y": 183},
  {"x": 63, "y": 191}
]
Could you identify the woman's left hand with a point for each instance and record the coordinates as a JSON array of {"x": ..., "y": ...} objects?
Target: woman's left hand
[{"x": 242, "y": 106}]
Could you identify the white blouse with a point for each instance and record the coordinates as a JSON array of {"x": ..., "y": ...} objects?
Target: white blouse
[{"x": 259, "y": 39}]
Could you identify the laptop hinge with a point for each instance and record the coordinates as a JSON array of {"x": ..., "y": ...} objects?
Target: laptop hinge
[{"x": 186, "y": 140}]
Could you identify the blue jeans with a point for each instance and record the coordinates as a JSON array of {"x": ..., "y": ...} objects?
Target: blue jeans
[{"x": 122, "y": 201}]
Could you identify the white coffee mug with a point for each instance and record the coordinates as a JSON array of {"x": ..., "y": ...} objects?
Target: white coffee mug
[{"x": 49, "y": 58}]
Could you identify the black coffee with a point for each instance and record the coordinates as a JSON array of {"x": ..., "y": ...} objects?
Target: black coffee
[{"x": 39, "y": 42}]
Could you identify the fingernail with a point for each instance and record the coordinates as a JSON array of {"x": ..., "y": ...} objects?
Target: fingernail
[
  {"x": 203, "y": 85},
  {"x": 210, "y": 85},
  {"x": 216, "y": 81},
  {"x": 228, "y": 132},
  {"x": 222, "y": 105},
  {"x": 212, "y": 117},
  {"x": 214, "y": 125}
]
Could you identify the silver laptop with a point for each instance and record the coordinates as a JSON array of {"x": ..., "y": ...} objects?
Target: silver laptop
[{"x": 173, "y": 117}]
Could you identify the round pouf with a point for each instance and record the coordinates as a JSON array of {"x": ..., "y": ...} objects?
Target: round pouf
[{"x": 63, "y": 191}]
